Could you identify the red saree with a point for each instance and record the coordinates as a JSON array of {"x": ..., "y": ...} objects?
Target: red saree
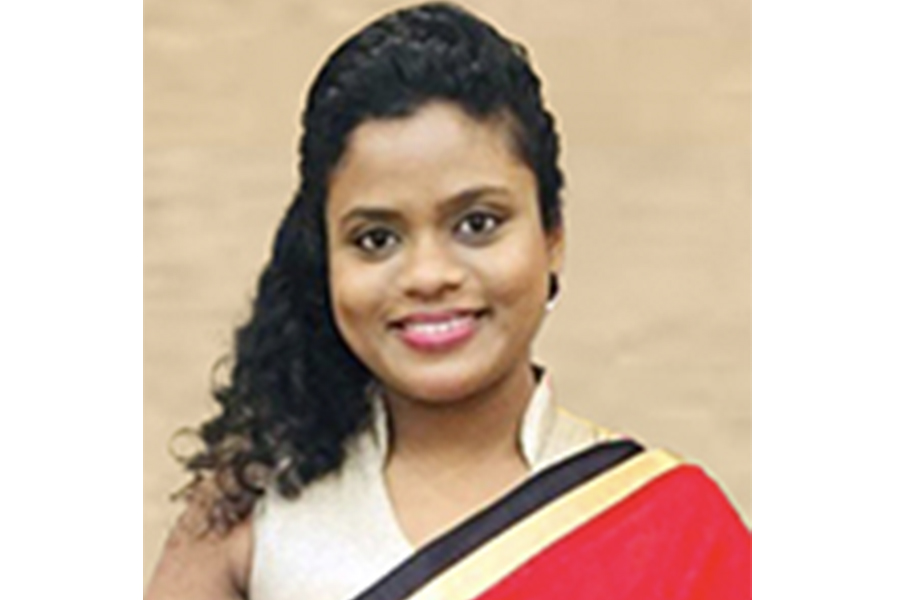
[{"x": 614, "y": 522}]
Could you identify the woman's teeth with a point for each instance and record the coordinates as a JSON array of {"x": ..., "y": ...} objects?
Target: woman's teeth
[{"x": 439, "y": 327}]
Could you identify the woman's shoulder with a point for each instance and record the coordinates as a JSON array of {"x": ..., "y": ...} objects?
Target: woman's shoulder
[
  {"x": 202, "y": 563},
  {"x": 640, "y": 463},
  {"x": 681, "y": 487}
]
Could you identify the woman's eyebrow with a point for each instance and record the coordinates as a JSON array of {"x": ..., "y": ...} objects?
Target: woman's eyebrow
[
  {"x": 466, "y": 198},
  {"x": 370, "y": 213},
  {"x": 452, "y": 205}
]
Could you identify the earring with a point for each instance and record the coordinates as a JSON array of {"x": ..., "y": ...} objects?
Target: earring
[{"x": 553, "y": 295}]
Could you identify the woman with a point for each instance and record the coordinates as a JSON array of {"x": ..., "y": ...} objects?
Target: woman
[{"x": 385, "y": 433}]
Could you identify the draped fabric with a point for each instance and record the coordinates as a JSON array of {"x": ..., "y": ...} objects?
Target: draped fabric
[
  {"x": 613, "y": 522},
  {"x": 598, "y": 517}
]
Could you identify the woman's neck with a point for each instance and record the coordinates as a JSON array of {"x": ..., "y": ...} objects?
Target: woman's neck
[{"x": 465, "y": 430}]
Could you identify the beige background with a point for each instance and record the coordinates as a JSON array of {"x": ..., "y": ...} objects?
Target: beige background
[{"x": 652, "y": 335}]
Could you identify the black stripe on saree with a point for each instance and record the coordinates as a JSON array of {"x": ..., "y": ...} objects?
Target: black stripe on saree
[{"x": 540, "y": 490}]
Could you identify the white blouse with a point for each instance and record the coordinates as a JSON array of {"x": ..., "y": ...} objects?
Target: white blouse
[{"x": 341, "y": 535}]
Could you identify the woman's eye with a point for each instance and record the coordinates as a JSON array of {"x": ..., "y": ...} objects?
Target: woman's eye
[
  {"x": 375, "y": 240},
  {"x": 478, "y": 224}
]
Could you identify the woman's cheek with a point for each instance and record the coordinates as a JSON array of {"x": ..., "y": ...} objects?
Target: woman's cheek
[
  {"x": 354, "y": 288},
  {"x": 516, "y": 275}
]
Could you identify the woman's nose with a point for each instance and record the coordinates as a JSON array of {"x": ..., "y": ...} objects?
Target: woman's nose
[{"x": 430, "y": 268}]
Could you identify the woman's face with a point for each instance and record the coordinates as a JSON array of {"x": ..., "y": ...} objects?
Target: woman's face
[{"x": 438, "y": 262}]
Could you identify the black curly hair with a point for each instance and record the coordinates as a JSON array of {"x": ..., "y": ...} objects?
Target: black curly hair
[{"x": 296, "y": 392}]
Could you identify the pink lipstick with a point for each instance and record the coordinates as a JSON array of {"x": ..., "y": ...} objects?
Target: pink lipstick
[{"x": 437, "y": 331}]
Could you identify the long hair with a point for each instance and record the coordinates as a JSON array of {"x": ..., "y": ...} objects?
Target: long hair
[{"x": 296, "y": 392}]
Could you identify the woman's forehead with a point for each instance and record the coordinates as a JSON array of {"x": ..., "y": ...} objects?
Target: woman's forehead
[
  {"x": 433, "y": 127},
  {"x": 435, "y": 154}
]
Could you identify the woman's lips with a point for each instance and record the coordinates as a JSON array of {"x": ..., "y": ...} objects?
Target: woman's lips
[{"x": 437, "y": 331}]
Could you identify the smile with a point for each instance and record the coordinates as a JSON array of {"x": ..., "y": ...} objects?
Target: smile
[{"x": 437, "y": 332}]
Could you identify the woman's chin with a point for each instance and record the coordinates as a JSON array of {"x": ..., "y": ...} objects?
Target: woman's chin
[
  {"x": 436, "y": 388},
  {"x": 432, "y": 393},
  {"x": 448, "y": 384}
]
